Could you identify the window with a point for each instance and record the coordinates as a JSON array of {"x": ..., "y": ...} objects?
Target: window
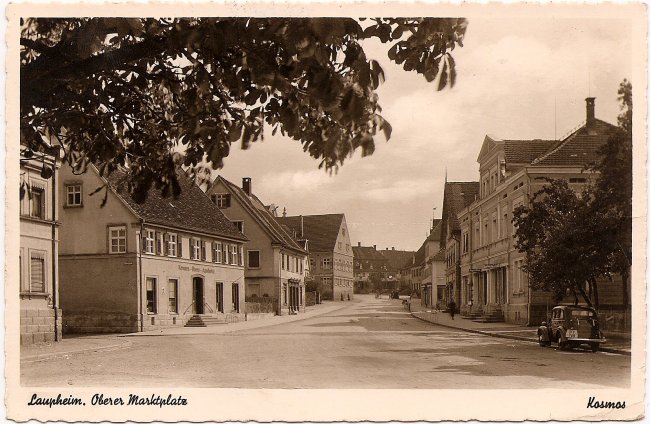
[
  {"x": 465, "y": 242},
  {"x": 37, "y": 272},
  {"x": 219, "y": 297},
  {"x": 327, "y": 263},
  {"x": 216, "y": 252},
  {"x": 172, "y": 288},
  {"x": 253, "y": 258},
  {"x": 326, "y": 281},
  {"x": 284, "y": 294},
  {"x": 151, "y": 295},
  {"x": 312, "y": 263},
  {"x": 37, "y": 209},
  {"x": 171, "y": 244},
  {"x": 117, "y": 239},
  {"x": 577, "y": 180},
  {"x": 282, "y": 259},
  {"x": 233, "y": 254},
  {"x": 239, "y": 225},
  {"x": 195, "y": 249},
  {"x": 73, "y": 195},
  {"x": 222, "y": 200},
  {"x": 347, "y": 247},
  {"x": 343, "y": 231},
  {"x": 340, "y": 245},
  {"x": 149, "y": 240}
]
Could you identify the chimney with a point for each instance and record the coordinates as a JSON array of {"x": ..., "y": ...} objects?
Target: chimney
[
  {"x": 246, "y": 185},
  {"x": 284, "y": 212},
  {"x": 591, "y": 112},
  {"x": 386, "y": 248},
  {"x": 302, "y": 227},
  {"x": 393, "y": 248},
  {"x": 374, "y": 246},
  {"x": 359, "y": 243}
]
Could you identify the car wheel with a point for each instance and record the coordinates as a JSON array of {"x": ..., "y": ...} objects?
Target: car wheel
[{"x": 595, "y": 347}]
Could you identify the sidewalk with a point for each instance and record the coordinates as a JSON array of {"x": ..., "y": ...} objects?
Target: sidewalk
[
  {"x": 71, "y": 345},
  {"x": 617, "y": 345}
]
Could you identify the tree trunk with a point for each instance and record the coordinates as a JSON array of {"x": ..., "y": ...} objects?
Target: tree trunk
[
  {"x": 594, "y": 289},
  {"x": 584, "y": 295}
]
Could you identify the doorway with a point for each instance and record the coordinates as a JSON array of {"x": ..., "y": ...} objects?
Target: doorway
[{"x": 197, "y": 297}]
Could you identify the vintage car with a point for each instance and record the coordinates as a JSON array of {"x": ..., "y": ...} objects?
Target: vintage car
[{"x": 571, "y": 326}]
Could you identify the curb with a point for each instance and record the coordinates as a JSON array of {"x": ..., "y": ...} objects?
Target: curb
[
  {"x": 43, "y": 356},
  {"x": 507, "y": 336},
  {"x": 266, "y": 322}
]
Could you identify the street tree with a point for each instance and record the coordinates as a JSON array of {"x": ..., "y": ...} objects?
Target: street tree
[
  {"x": 135, "y": 92},
  {"x": 573, "y": 239},
  {"x": 560, "y": 236},
  {"x": 613, "y": 192}
]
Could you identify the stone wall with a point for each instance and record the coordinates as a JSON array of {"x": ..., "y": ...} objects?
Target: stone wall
[{"x": 37, "y": 326}]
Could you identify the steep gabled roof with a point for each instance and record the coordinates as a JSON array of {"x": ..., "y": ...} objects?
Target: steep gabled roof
[
  {"x": 525, "y": 151},
  {"x": 260, "y": 213},
  {"x": 320, "y": 230},
  {"x": 398, "y": 259},
  {"x": 192, "y": 210},
  {"x": 457, "y": 196},
  {"x": 367, "y": 253},
  {"x": 579, "y": 148},
  {"x": 420, "y": 255},
  {"x": 434, "y": 235}
]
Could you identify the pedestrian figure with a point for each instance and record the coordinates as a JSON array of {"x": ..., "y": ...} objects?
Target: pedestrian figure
[
  {"x": 341, "y": 296},
  {"x": 348, "y": 296},
  {"x": 452, "y": 308}
]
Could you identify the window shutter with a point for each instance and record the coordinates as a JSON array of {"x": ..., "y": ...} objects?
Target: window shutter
[
  {"x": 166, "y": 244},
  {"x": 226, "y": 254},
  {"x": 192, "y": 248},
  {"x": 241, "y": 255},
  {"x": 203, "y": 250},
  {"x": 179, "y": 246},
  {"x": 143, "y": 246},
  {"x": 157, "y": 243}
]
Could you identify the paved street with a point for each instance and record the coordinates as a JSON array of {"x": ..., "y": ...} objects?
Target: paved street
[{"x": 368, "y": 343}]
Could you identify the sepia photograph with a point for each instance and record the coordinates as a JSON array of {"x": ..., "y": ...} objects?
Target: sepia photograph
[{"x": 327, "y": 212}]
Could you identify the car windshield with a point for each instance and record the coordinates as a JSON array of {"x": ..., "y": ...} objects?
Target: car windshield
[{"x": 581, "y": 313}]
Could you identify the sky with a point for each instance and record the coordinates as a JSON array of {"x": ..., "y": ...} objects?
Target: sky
[{"x": 517, "y": 78}]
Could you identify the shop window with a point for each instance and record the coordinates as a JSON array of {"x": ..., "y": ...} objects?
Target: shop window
[
  {"x": 172, "y": 289},
  {"x": 151, "y": 295}
]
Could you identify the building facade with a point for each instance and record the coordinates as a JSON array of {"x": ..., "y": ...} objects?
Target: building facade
[
  {"x": 484, "y": 270},
  {"x": 275, "y": 262},
  {"x": 128, "y": 267},
  {"x": 330, "y": 253},
  {"x": 40, "y": 313}
]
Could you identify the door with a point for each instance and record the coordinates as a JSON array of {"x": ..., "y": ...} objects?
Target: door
[
  {"x": 235, "y": 298},
  {"x": 197, "y": 295}
]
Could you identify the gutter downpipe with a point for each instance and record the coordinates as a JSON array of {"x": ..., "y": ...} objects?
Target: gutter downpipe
[
  {"x": 139, "y": 245},
  {"x": 529, "y": 290},
  {"x": 54, "y": 261}
]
